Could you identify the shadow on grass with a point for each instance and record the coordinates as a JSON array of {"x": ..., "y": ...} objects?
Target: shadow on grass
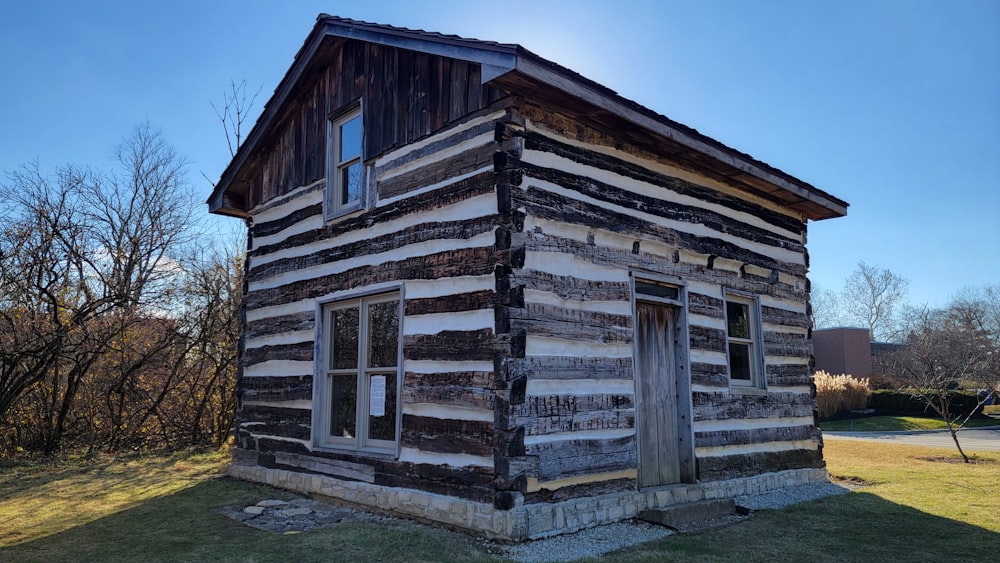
[
  {"x": 186, "y": 526},
  {"x": 854, "y": 527}
]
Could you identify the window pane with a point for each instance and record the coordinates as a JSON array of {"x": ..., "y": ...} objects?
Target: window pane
[
  {"x": 738, "y": 316},
  {"x": 383, "y": 426},
  {"x": 656, "y": 290},
  {"x": 350, "y": 182},
  {"x": 344, "y": 406},
  {"x": 344, "y": 344},
  {"x": 350, "y": 139},
  {"x": 739, "y": 361},
  {"x": 383, "y": 334}
]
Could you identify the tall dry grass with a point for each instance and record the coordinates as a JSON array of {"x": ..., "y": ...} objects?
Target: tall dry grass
[{"x": 837, "y": 393}]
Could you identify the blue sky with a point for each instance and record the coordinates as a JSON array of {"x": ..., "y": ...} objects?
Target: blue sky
[{"x": 892, "y": 105}]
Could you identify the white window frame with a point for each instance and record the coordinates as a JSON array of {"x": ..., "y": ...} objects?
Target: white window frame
[
  {"x": 332, "y": 202},
  {"x": 754, "y": 343},
  {"x": 323, "y": 387}
]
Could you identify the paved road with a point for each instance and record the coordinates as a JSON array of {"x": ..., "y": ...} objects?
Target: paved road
[{"x": 972, "y": 439}]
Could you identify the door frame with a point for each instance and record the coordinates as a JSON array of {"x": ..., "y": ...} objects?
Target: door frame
[{"x": 682, "y": 371}]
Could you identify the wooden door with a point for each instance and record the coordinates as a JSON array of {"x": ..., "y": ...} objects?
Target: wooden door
[{"x": 657, "y": 395}]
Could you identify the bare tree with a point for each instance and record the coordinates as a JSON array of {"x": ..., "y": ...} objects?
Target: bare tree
[
  {"x": 85, "y": 255},
  {"x": 875, "y": 298},
  {"x": 826, "y": 312},
  {"x": 236, "y": 106},
  {"x": 946, "y": 349}
]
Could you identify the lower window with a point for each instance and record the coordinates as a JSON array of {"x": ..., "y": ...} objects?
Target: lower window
[
  {"x": 743, "y": 342},
  {"x": 359, "y": 400}
]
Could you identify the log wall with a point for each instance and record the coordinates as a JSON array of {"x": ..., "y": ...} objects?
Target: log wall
[
  {"x": 588, "y": 210},
  {"x": 431, "y": 232}
]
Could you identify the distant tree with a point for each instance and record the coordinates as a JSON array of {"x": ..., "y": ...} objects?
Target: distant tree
[
  {"x": 876, "y": 299},
  {"x": 946, "y": 349},
  {"x": 85, "y": 256},
  {"x": 825, "y": 304}
]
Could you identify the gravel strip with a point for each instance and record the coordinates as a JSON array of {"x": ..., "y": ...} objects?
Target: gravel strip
[{"x": 601, "y": 540}]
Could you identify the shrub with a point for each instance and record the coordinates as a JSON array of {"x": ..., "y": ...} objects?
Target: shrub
[
  {"x": 837, "y": 393},
  {"x": 902, "y": 402}
]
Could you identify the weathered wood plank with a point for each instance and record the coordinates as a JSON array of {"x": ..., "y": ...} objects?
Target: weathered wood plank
[
  {"x": 447, "y": 436},
  {"x": 440, "y": 171},
  {"x": 281, "y": 324},
  {"x": 557, "y": 207},
  {"x": 275, "y": 389},
  {"x": 464, "y": 262},
  {"x": 569, "y": 367},
  {"x": 277, "y": 421},
  {"x": 701, "y": 304},
  {"x": 786, "y": 344},
  {"x": 335, "y": 467},
  {"x": 412, "y": 234},
  {"x": 710, "y": 375},
  {"x": 718, "y": 468},
  {"x": 540, "y": 415},
  {"x": 789, "y": 375},
  {"x": 437, "y": 199},
  {"x": 550, "y": 320},
  {"x": 301, "y": 351},
  {"x": 717, "y": 406},
  {"x": 470, "y": 345},
  {"x": 708, "y": 339},
  {"x": 469, "y": 301},
  {"x": 755, "y": 436},
  {"x": 568, "y": 458}
]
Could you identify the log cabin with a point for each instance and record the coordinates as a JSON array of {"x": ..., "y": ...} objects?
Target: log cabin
[{"x": 485, "y": 291}]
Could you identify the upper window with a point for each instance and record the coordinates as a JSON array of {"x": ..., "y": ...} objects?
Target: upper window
[
  {"x": 743, "y": 342},
  {"x": 358, "y": 404},
  {"x": 344, "y": 164}
]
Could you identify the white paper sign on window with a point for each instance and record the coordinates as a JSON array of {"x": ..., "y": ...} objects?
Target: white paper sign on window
[{"x": 376, "y": 403}]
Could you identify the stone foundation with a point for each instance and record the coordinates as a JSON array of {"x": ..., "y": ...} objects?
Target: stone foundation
[{"x": 524, "y": 521}]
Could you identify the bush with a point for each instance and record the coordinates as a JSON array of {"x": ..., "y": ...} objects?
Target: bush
[
  {"x": 902, "y": 402},
  {"x": 837, "y": 393}
]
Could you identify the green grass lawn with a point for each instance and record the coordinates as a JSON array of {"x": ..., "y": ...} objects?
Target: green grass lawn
[
  {"x": 890, "y": 423},
  {"x": 919, "y": 504}
]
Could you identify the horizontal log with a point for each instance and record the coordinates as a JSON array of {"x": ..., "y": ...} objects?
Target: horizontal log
[
  {"x": 276, "y": 421},
  {"x": 754, "y": 436},
  {"x": 548, "y": 143},
  {"x": 439, "y": 171},
  {"x": 568, "y": 367},
  {"x": 462, "y": 262},
  {"x": 701, "y": 304},
  {"x": 577, "y": 289},
  {"x": 556, "y": 207},
  {"x": 583, "y": 490},
  {"x": 296, "y": 322},
  {"x": 720, "y": 468},
  {"x": 447, "y": 436},
  {"x": 447, "y": 139},
  {"x": 708, "y": 339},
  {"x": 470, "y": 301},
  {"x": 456, "y": 345},
  {"x": 275, "y": 389},
  {"x": 786, "y": 344},
  {"x": 436, "y": 199},
  {"x": 788, "y": 375},
  {"x": 413, "y": 234},
  {"x": 471, "y": 483},
  {"x": 560, "y": 322},
  {"x": 300, "y": 351},
  {"x": 450, "y": 396},
  {"x": 716, "y": 406},
  {"x": 710, "y": 375},
  {"x": 573, "y": 418},
  {"x": 273, "y": 227},
  {"x": 773, "y": 315},
  {"x": 569, "y": 458},
  {"x": 676, "y": 211},
  {"x": 334, "y": 467}
]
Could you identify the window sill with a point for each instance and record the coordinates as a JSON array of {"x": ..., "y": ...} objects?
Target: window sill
[
  {"x": 383, "y": 455},
  {"x": 342, "y": 213}
]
